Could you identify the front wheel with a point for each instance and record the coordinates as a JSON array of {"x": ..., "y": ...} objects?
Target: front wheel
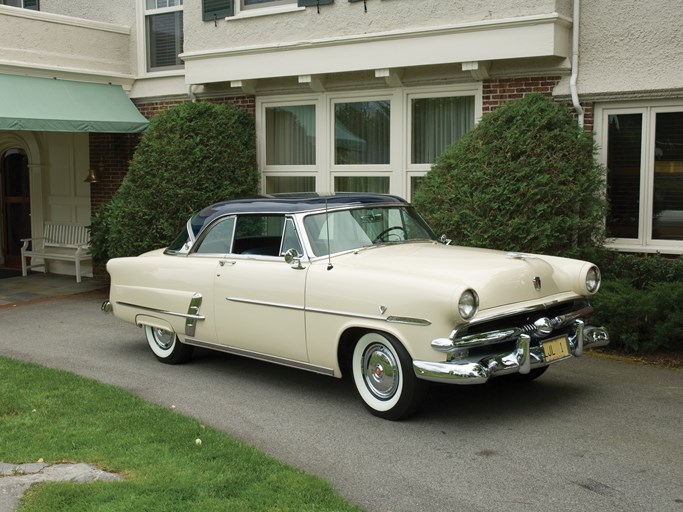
[
  {"x": 384, "y": 377},
  {"x": 166, "y": 346}
]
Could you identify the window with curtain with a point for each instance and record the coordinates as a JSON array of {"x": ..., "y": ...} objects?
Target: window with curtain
[
  {"x": 290, "y": 135},
  {"x": 164, "y": 27},
  {"x": 373, "y": 184},
  {"x": 289, "y": 184},
  {"x": 362, "y": 133},
  {"x": 437, "y": 123}
]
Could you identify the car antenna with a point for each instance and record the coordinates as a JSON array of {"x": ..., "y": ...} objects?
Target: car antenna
[{"x": 327, "y": 226}]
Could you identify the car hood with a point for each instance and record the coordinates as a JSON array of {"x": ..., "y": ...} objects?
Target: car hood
[{"x": 498, "y": 277}]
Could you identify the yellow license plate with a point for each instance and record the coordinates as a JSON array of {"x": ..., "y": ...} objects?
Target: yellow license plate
[{"x": 557, "y": 348}]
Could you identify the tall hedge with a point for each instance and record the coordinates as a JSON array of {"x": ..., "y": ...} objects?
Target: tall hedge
[
  {"x": 524, "y": 179},
  {"x": 190, "y": 156}
]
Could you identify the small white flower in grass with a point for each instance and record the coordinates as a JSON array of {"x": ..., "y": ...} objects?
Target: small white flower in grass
[
  {"x": 172, "y": 406},
  {"x": 198, "y": 442}
]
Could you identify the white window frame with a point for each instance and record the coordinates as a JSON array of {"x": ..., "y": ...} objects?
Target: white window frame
[
  {"x": 399, "y": 169},
  {"x": 267, "y": 9},
  {"x": 142, "y": 50},
  {"x": 649, "y": 110}
]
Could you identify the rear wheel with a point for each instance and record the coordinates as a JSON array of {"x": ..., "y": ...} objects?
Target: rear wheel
[
  {"x": 166, "y": 346},
  {"x": 384, "y": 378}
]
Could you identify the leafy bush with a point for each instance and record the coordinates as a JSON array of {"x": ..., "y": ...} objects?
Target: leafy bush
[
  {"x": 524, "y": 179},
  {"x": 641, "y": 300},
  {"x": 641, "y": 319},
  {"x": 641, "y": 270},
  {"x": 191, "y": 155}
]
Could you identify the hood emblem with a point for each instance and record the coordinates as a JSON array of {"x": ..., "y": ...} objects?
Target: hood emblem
[{"x": 537, "y": 283}]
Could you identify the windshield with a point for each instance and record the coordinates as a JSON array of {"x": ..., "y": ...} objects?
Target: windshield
[{"x": 345, "y": 230}]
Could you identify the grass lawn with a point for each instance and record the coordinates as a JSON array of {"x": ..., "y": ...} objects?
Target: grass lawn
[{"x": 60, "y": 417}]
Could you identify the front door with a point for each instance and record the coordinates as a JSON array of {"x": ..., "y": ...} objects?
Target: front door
[
  {"x": 15, "y": 201},
  {"x": 259, "y": 307}
]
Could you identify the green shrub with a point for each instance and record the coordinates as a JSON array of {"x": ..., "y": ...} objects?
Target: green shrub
[
  {"x": 641, "y": 319},
  {"x": 641, "y": 300},
  {"x": 192, "y": 155},
  {"x": 524, "y": 179},
  {"x": 641, "y": 270}
]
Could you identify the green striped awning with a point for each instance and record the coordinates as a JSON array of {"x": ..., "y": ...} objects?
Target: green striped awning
[{"x": 51, "y": 105}]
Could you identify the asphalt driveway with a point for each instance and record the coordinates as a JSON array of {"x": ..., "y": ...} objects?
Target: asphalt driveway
[{"x": 591, "y": 434}]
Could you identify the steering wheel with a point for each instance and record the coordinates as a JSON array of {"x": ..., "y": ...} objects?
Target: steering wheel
[{"x": 380, "y": 237}]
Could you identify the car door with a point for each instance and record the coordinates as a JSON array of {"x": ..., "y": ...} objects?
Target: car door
[{"x": 259, "y": 298}]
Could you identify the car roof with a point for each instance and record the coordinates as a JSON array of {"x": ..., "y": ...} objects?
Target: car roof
[{"x": 291, "y": 203}]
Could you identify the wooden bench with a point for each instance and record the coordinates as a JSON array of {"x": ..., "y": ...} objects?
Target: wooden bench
[{"x": 65, "y": 242}]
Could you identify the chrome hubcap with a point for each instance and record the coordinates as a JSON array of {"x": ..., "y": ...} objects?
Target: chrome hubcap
[
  {"x": 380, "y": 371},
  {"x": 164, "y": 339}
]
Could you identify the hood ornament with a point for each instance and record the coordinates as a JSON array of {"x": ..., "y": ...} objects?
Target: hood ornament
[{"x": 537, "y": 283}]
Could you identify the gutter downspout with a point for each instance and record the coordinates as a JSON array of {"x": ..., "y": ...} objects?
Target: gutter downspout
[
  {"x": 191, "y": 94},
  {"x": 575, "y": 61}
]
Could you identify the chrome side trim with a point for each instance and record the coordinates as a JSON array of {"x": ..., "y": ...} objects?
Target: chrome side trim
[
  {"x": 265, "y": 303},
  {"x": 162, "y": 311},
  {"x": 342, "y": 313},
  {"x": 261, "y": 357},
  {"x": 408, "y": 320},
  {"x": 391, "y": 319},
  {"x": 192, "y": 312}
]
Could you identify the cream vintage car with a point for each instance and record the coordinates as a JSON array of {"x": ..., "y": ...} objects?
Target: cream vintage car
[{"x": 355, "y": 284}]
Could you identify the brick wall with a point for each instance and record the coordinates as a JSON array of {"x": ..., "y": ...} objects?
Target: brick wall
[
  {"x": 111, "y": 153},
  {"x": 497, "y": 92}
]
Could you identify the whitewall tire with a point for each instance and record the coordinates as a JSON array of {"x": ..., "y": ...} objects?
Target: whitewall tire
[
  {"x": 384, "y": 377},
  {"x": 166, "y": 346}
]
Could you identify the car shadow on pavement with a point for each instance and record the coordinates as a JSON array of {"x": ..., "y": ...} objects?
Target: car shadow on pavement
[
  {"x": 501, "y": 397},
  {"x": 504, "y": 398}
]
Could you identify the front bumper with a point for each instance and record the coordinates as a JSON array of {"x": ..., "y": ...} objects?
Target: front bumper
[{"x": 524, "y": 357}]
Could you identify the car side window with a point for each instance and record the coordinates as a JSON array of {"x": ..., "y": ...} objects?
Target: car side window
[
  {"x": 218, "y": 240},
  {"x": 290, "y": 239},
  {"x": 259, "y": 235}
]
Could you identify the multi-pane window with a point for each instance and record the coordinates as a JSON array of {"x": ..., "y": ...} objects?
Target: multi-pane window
[
  {"x": 437, "y": 123},
  {"x": 362, "y": 132},
  {"x": 251, "y": 4},
  {"x": 164, "y": 29},
  {"x": 290, "y": 135},
  {"x": 380, "y": 143},
  {"x": 644, "y": 158}
]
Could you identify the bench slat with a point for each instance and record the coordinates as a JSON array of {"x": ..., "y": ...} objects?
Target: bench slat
[{"x": 58, "y": 235}]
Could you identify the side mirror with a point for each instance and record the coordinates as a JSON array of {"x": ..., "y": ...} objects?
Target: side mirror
[
  {"x": 444, "y": 240},
  {"x": 293, "y": 258}
]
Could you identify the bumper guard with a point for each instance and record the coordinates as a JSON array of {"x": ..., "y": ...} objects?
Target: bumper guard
[{"x": 479, "y": 369}]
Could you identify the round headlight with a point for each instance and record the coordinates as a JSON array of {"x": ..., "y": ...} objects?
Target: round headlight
[
  {"x": 593, "y": 279},
  {"x": 468, "y": 305}
]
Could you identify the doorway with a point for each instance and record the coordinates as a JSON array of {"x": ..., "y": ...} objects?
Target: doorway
[{"x": 15, "y": 201}]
